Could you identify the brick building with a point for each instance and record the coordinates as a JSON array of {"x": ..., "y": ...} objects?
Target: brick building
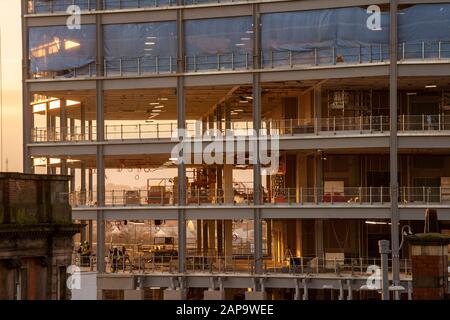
[{"x": 36, "y": 232}]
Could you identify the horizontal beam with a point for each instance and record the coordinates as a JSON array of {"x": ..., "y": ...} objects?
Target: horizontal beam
[
  {"x": 219, "y": 212},
  {"x": 356, "y": 142},
  {"x": 109, "y": 281},
  {"x": 214, "y": 78}
]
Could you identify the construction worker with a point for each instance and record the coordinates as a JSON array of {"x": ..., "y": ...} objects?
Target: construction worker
[
  {"x": 114, "y": 258},
  {"x": 121, "y": 257},
  {"x": 85, "y": 253}
]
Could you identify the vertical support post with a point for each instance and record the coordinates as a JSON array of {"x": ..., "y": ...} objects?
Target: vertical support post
[
  {"x": 257, "y": 185},
  {"x": 393, "y": 75},
  {"x": 317, "y": 108},
  {"x": 384, "y": 251},
  {"x": 100, "y": 154},
  {"x": 181, "y": 119},
  {"x": 100, "y": 181},
  {"x": 26, "y": 110},
  {"x": 62, "y": 120},
  {"x": 83, "y": 196}
]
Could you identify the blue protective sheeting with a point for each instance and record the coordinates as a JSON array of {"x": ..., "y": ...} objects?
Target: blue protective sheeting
[
  {"x": 58, "y": 48},
  {"x": 219, "y": 43},
  {"x": 124, "y": 4},
  {"x": 218, "y": 36},
  {"x": 42, "y": 6},
  {"x": 424, "y": 22},
  {"x": 305, "y": 30},
  {"x": 139, "y": 40}
]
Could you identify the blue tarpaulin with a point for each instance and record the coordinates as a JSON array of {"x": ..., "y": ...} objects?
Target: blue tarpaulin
[
  {"x": 139, "y": 40},
  {"x": 424, "y": 22},
  {"x": 58, "y": 48},
  {"x": 305, "y": 30}
]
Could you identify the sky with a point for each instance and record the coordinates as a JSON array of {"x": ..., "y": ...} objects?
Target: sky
[{"x": 11, "y": 93}]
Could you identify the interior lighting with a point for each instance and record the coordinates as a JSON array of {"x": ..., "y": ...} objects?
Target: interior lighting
[
  {"x": 377, "y": 222},
  {"x": 70, "y": 103},
  {"x": 54, "y": 104},
  {"x": 39, "y": 107}
]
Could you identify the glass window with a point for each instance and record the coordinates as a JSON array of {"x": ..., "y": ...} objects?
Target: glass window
[
  {"x": 140, "y": 48},
  {"x": 323, "y": 36},
  {"x": 219, "y": 43},
  {"x": 60, "y": 50}
]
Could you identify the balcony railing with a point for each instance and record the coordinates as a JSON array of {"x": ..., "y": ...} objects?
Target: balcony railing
[
  {"x": 87, "y": 71},
  {"x": 348, "y": 196},
  {"x": 153, "y": 261},
  {"x": 424, "y": 50},
  {"x": 363, "y": 125},
  {"x": 54, "y": 6},
  {"x": 71, "y": 134}
]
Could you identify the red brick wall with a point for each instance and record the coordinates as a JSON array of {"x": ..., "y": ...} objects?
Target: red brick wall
[{"x": 429, "y": 277}]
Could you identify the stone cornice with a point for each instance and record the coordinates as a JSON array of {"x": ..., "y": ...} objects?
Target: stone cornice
[{"x": 8, "y": 231}]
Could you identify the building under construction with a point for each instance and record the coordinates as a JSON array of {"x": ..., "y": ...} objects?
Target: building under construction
[{"x": 361, "y": 143}]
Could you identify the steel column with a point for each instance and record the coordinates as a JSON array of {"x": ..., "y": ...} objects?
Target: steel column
[
  {"x": 181, "y": 118},
  {"x": 257, "y": 186},
  {"x": 27, "y": 115},
  {"x": 393, "y": 76},
  {"x": 100, "y": 125}
]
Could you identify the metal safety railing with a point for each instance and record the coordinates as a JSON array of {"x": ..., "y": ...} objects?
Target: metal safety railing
[
  {"x": 86, "y": 262},
  {"x": 60, "y": 134},
  {"x": 324, "y": 56},
  {"x": 347, "y": 196},
  {"x": 424, "y": 123},
  {"x": 361, "y": 125},
  {"x": 154, "y": 262},
  {"x": 424, "y": 195},
  {"x": 424, "y": 50},
  {"x": 57, "y": 6},
  {"x": 54, "y": 6},
  {"x": 85, "y": 71}
]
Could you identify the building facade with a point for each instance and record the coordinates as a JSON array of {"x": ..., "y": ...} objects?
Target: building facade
[
  {"x": 36, "y": 233},
  {"x": 361, "y": 143}
]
